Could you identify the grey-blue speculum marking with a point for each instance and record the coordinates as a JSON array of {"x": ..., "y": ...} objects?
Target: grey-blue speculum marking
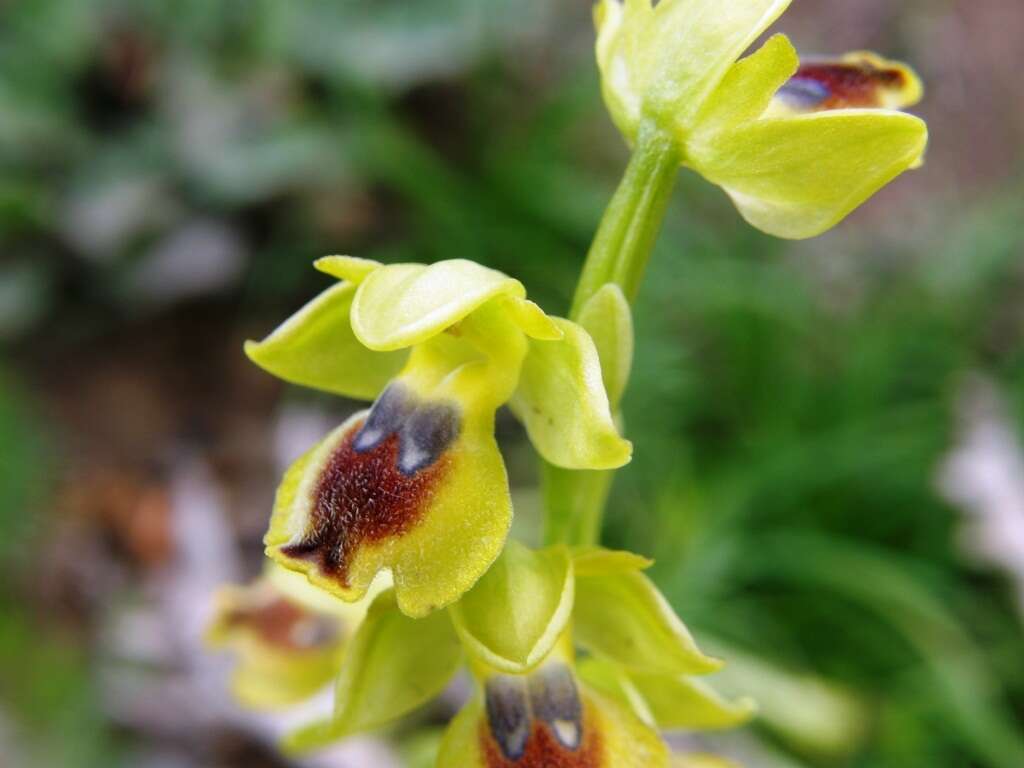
[
  {"x": 424, "y": 429},
  {"x": 515, "y": 703}
]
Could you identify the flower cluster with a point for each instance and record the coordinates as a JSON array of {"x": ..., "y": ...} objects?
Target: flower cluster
[
  {"x": 578, "y": 659},
  {"x": 415, "y": 486},
  {"x": 519, "y": 631}
]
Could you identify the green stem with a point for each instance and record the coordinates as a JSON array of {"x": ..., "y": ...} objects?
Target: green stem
[
  {"x": 574, "y": 501},
  {"x": 574, "y": 504},
  {"x": 632, "y": 221}
]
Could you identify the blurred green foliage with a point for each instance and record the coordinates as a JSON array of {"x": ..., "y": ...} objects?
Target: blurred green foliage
[
  {"x": 789, "y": 423},
  {"x": 55, "y": 720}
]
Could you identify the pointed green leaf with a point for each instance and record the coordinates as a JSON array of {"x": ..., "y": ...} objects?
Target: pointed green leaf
[
  {"x": 514, "y": 615},
  {"x": 667, "y": 702},
  {"x": 609, "y": 321},
  {"x": 391, "y": 666},
  {"x": 623, "y": 617},
  {"x": 800, "y": 175},
  {"x": 460, "y": 746},
  {"x": 690, "y": 703},
  {"x": 563, "y": 404},
  {"x": 611, "y": 680},
  {"x": 316, "y": 348}
]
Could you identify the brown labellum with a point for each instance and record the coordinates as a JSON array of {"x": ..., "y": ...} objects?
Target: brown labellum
[{"x": 379, "y": 481}]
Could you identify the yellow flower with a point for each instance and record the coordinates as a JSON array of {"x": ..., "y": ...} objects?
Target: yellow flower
[
  {"x": 416, "y": 484},
  {"x": 534, "y": 705},
  {"x": 547, "y": 717},
  {"x": 797, "y": 148},
  {"x": 288, "y": 637}
]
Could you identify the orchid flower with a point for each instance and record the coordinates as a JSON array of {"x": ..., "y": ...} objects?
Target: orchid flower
[
  {"x": 416, "y": 484},
  {"x": 518, "y": 631},
  {"x": 796, "y": 146},
  {"x": 577, "y": 659},
  {"x": 287, "y": 635}
]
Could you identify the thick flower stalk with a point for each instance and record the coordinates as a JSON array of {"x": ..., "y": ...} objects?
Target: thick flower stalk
[
  {"x": 416, "y": 484},
  {"x": 796, "y": 147}
]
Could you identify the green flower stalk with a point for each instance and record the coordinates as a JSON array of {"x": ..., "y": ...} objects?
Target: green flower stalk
[{"x": 578, "y": 660}]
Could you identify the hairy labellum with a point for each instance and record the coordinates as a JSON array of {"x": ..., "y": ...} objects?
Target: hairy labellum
[
  {"x": 858, "y": 80},
  {"x": 379, "y": 480}
]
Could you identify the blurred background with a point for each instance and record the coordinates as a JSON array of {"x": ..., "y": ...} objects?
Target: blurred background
[{"x": 829, "y": 465}]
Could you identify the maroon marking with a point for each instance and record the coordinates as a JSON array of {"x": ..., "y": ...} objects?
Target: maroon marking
[
  {"x": 363, "y": 497},
  {"x": 280, "y": 623},
  {"x": 837, "y": 85},
  {"x": 543, "y": 750}
]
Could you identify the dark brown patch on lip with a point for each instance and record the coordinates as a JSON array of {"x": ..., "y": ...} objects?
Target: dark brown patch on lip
[
  {"x": 835, "y": 85},
  {"x": 362, "y": 497},
  {"x": 543, "y": 749},
  {"x": 283, "y": 624}
]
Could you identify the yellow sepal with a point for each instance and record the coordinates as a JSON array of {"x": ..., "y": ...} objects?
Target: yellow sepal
[
  {"x": 399, "y": 305},
  {"x": 514, "y": 615},
  {"x": 316, "y": 348}
]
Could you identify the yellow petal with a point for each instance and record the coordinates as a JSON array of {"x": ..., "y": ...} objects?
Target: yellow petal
[
  {"x": 749, "y": 86},
  {"x": 598, "y": 561},
  {"x": 612, "y": 681},
  {"x": 547, "y": 719},
  {"x": 297, "y": 588},
  {"x": 686, "y": 702},
  {"x": 391, "y": 666},
  {"x": 512, "y": 618},
  {"x": 623, "y": 617},
  {"x": 285, "y": 651},
  {"x": 532, "y": 320},
  {"x": 667, "y": 702},
  {"x": 316, "y": 348},
  {"x": 403, "y": 304},
  {"x": 607, "y": 318},
  {"x": 562, "y": 402},
  {"x": 665, "y": 61},
  {"x": 417, "y": 486},
  {"x": 798, "y": 176},
  {"x": 349, "y": 268}
]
